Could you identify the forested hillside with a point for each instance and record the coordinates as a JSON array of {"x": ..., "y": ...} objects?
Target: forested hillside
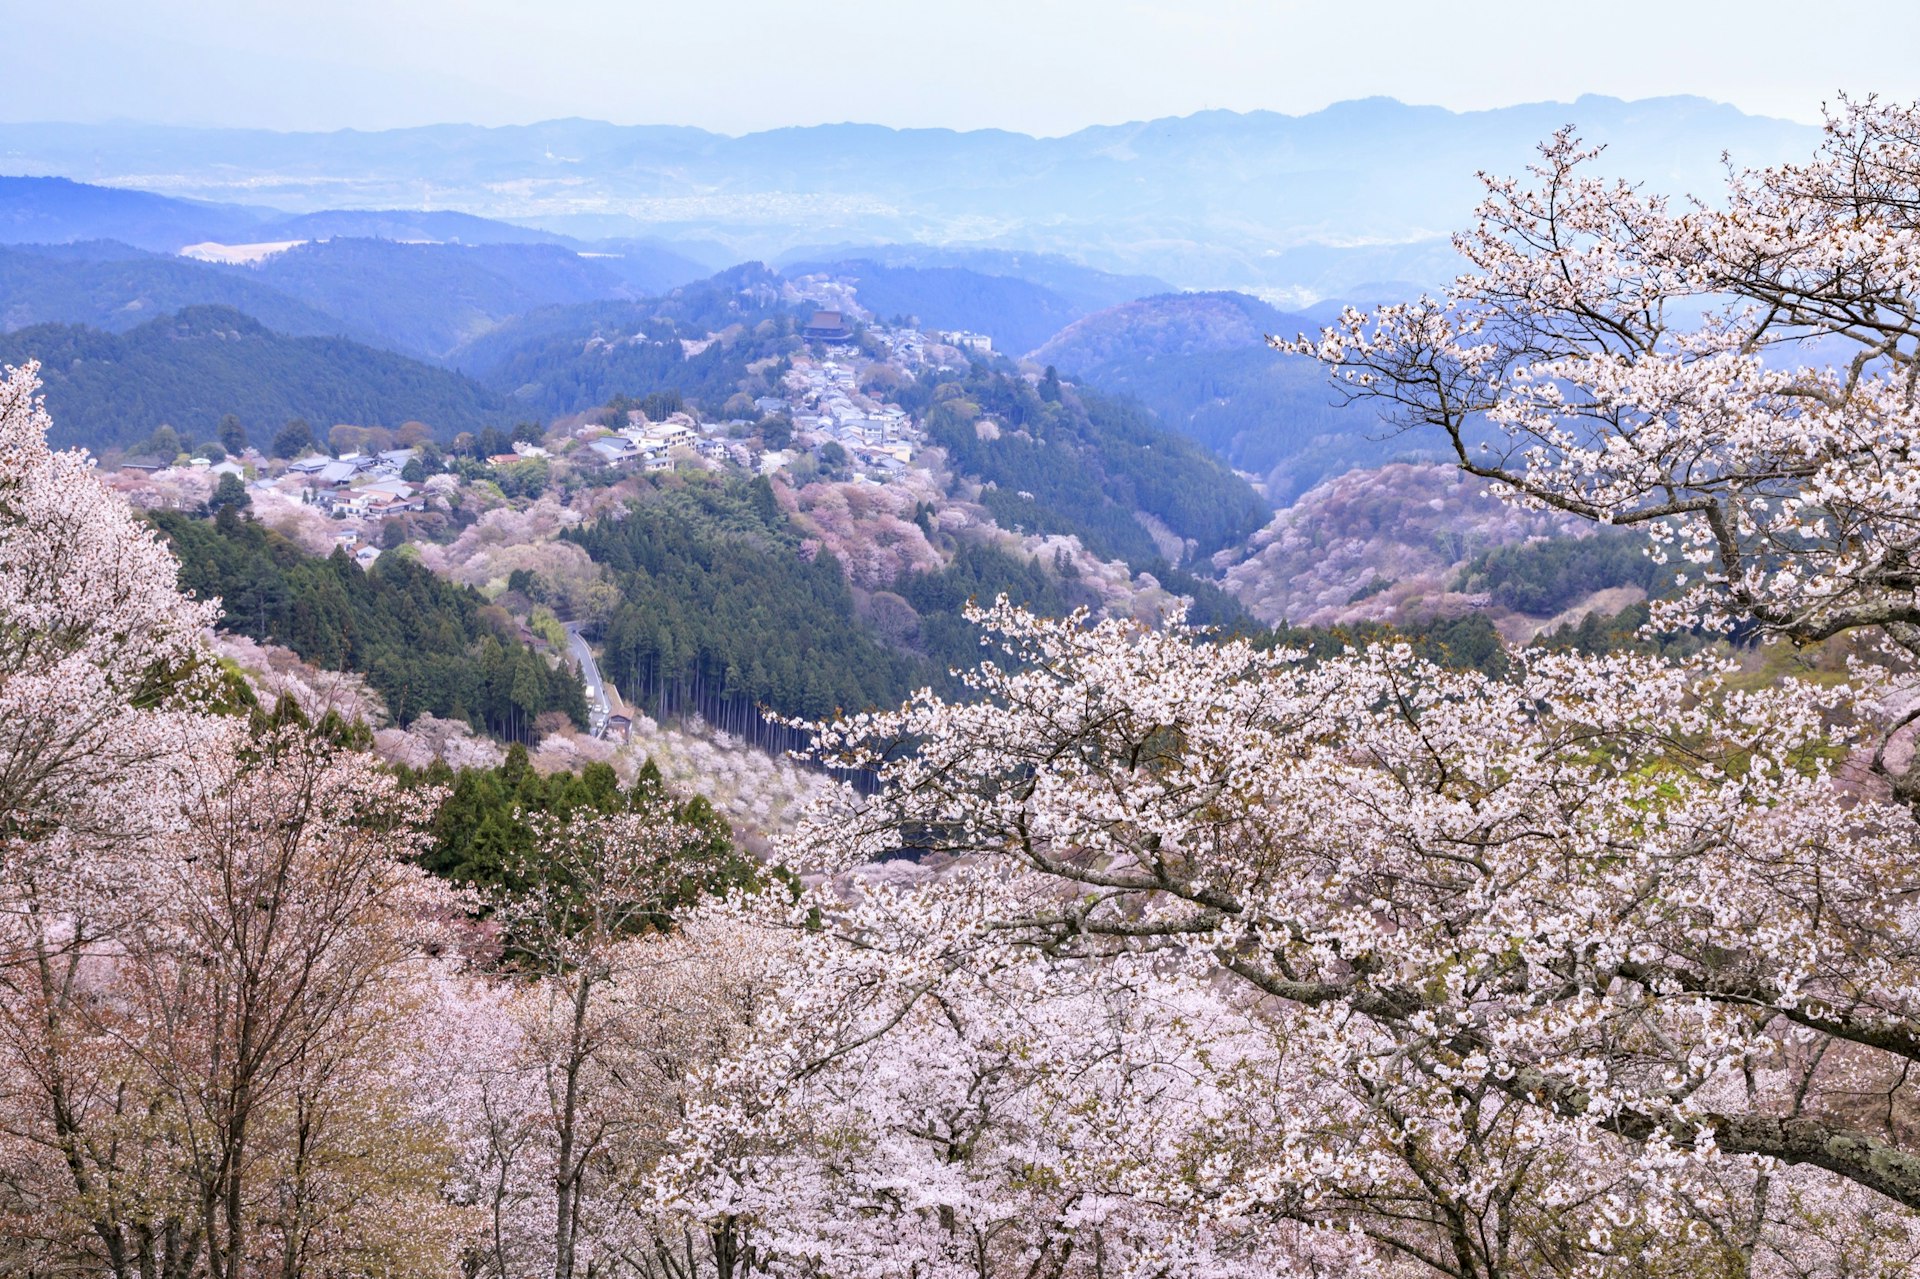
[
  {"x": 426, "y": 646},
  {"x": 115, "y": 287},
  {"x": 724, "y": 612},
  {"x": 565, "y": 359},
  {"x": 427, "y": 299},
  {"x": 1083, "y": 464},
  {"x": 109, "y": 390},
  {"x": 720, "y": 614},
  {"x": 1200, "y": 361}
]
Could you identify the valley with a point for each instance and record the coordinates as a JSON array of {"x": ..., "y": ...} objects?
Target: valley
[
  {"x": 762, "y": 495},
  {"x": 1328, "y": 693}
]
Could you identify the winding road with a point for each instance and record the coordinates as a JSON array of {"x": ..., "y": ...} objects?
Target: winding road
[{"x": 598, "y": 707}]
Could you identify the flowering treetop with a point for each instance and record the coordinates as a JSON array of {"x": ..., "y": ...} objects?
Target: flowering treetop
[{"x": 1741, "y": 376}]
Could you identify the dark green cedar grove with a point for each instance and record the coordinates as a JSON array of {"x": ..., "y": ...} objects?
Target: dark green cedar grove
[
  {"x": 427, "y": 646},
  {"x": 721, "y": 614}
]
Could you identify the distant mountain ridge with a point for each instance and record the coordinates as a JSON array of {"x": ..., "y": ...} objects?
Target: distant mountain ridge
[
  {"x": 1167, "y": 324},
  {"x": 427, "y": 299},
  {"x": 115, "y": 287},
  {"x": 1216, "y": 199},
  {"x": 418, "y": 283},
  {"x": 188, "y": 370},
  {"x": 1201, "y": 363},
  {"x": 56, "y": 210}
]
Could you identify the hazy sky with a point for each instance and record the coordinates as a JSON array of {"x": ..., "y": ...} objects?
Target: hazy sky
[{"x": 1038, "y": 66}]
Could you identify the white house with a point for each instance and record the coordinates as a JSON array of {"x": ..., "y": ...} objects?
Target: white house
[{"x": 670, "y": 434}]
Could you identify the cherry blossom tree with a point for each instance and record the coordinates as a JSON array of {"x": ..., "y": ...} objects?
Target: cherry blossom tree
[
  {"x": 961, "y": 1120},
  {"x": 1736, "y": 377},
  {"x": 1605, "y": 967},
  {"x": 211, "y": 941},
  {"x": 574, "y": 918},
  {"x": 1580, "y": 938},
  {"x": 100, "y": 680}
]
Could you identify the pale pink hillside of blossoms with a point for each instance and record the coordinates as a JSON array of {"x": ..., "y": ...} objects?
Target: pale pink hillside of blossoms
[{"x": 1380, "y": 545}]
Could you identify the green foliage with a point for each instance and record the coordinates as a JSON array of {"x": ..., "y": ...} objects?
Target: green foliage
[
  {"x": 229, "y": 494},
  {"x": 1547, "y": 576},
  {"x": 483, "y": 831},
  {"x": 231, "y": 434},
  {"x": 165, "y": 443},
  {"x": 1599, "y": 633},
  {"x": 658, "y": 406},
  {"x": 526, "y": 479},
  {"x": 1084, "y": 466},
  {"x": 1472, "y": 642},
  {"x": 295, "y": 439},
  {"x": 1469, "y": 642},
  {"x": 425, "y": 645},
  {"x": 106, "y": 390},
  {"x": 720, "y": 613}
]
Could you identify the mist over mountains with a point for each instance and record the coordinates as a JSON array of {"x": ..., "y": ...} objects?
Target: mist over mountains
[
  {"x": 1294, "y": 208},
  {"x": 543, "y": 269}
]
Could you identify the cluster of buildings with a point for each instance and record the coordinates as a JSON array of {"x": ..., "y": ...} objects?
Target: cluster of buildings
[
  {"x": 967, "y": 340},
  {"x": 338, "y": 472},
  {"x": 349, "y": 541},
  {"x": 362, "y": 484},
  {"x": 825, "y": 403},
  {"x": 647, "y": 444}
]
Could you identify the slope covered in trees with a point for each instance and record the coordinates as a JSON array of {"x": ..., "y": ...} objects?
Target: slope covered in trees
[
  {"x": 426, "y": 646},
  {"x": 592, "y": 364},
  {"x": 427, "y": 299},
  {"x": 189, "y": 370},
  {"x": 721, "y": 614},
  {"x": 1200, "y": 361},
  {"x": 1543, "y": 577},
  {"x": 1082, "y": 464},
  {"x": 114, "y": 287},
  {"x": 566, "y": 359}
]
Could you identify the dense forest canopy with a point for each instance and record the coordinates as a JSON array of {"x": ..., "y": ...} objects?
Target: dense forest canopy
[
  {"x": 190, "y": 370},
  {"x": 426, "y": 646},
  {"x": 720, "y": 614},
  {"x": 1082, "y": 464}
]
